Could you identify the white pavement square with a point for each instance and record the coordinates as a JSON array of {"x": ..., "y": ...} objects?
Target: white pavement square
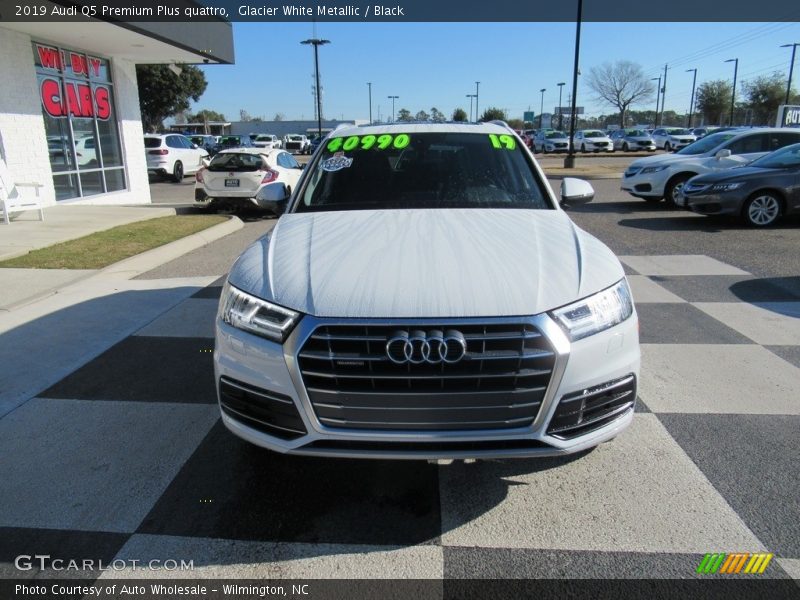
[
  {"x": 680, "y": 264},
  {"x": 645, "y": 291},
  {"x": 767, "y": 323},
  {"x": 230, "y": 559},
  {"x": 718, "y": 378},
  {"x": 640, "y": 493},
  {"x": 193, "y": 317},
  {"x": 93, "y": 465}
]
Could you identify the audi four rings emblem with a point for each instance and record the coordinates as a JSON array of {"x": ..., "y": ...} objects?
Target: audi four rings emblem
[{"x": 433, "y": 347}]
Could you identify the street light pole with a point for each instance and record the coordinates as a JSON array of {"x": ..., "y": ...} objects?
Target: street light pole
[
  {"x": 477, "y": 95},
  {"x": 369, "y": 84},
  {"x": 658, "y": 96},
  {"x": 560, "y": 112},
  {"x": 569, "y": 161},
  {"x": 791, "y": 69},
  {"x": 317, "y": 43},
  {"x": 393, "y": 98},
  {"x": 733, "y": 93},
  {"x": 470, "y": 96},
  {"x": 541, "y": 107},
  {"x": 691, "y": 102}
]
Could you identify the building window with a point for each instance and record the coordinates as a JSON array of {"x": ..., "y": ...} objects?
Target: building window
[{"x": 80, "y": 119}]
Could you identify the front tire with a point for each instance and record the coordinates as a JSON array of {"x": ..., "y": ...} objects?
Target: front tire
[
  {"x": 674, "y": 188},
  {"x": 177, "y": 172},
  {"x": 625, "y": 147},
  {"x": 667, "y": 147},
  {"x": 583, "y": 148},
  {"x": 762, "y": 209}
]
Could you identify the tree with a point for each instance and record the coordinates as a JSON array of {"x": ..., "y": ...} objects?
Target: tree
[
  {"x": 764, "y": 95},
  {"x": 404, "y": 115},
  {"x": 713, "y": 99},
  {"x": 162, "y": 94},
  {"x": 493, "y": 114},
  {"x": 206, "y": 115},
  {"x": 437, "y": 116},
  {"x": 460, "y": 115},
  {"x": 421, "y": 116},
  {"x": 244, "y": 115},
  {"x": 279, "y": 116},
  {"x": 621, "y": 85},
  {"x": 516, "y": 123}
]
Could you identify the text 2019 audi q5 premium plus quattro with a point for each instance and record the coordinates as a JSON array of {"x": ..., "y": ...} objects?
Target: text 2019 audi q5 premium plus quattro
[{"x": 425, "y": 296}]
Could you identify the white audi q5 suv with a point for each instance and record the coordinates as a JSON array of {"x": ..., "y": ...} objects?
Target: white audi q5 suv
[{"x": 425, "y": 296}]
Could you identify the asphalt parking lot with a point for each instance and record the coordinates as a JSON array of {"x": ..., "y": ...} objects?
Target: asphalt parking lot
[{"x": 126, "y": 455}]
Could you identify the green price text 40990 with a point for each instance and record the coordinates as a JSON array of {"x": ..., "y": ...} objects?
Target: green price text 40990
[{"x": 380, "y": 142}]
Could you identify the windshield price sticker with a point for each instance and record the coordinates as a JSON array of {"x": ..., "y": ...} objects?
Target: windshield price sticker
[
  {"x": 503, "y": 141},
  {"x": 366, "y": 142}
]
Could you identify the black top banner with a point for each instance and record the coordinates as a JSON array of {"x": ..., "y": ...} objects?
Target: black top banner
[{"x": 400, "y": 10}]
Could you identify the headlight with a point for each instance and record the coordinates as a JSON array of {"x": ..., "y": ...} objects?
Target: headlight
[
  {"x": 255, "y": 315},
  {"x": 726, "y": 187},
  {"x": 653, "y": 169},
  {"x": 596, "y": 313}
]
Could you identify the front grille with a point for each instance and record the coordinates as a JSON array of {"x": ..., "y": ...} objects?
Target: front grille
[
  {"x": 264, "y": 410},
  {"x": 590, "y": 409},
  {"x": 500, "y": 383}
]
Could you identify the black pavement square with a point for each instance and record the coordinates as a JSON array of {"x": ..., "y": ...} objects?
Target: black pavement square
[
  {"x": 515, "y": 563},
  {"x": 788, "y": 353},
  {"x": 683, "y": 324},
  {"x": 213, "y": 290},
  {"x": 231, "y": 489},
  {"x": 641, "y": 407},
  {"x": 731, "y": 288},
  {"x": 58, "y": 545},
  {"x": 145, "y": 369},
  {"x": 754, "y": 462}
]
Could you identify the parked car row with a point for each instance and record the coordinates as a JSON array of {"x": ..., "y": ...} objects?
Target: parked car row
[{"x": 754, "y": 173}]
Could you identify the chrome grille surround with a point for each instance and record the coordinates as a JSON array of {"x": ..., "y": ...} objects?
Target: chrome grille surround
[{"x": 551, "y": 334}]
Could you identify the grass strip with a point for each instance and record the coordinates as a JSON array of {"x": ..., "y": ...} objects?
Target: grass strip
[{"x": 104, "y": 248}]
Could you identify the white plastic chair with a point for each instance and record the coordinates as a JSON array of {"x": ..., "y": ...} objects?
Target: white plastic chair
[{"x": 15, "y": 196}]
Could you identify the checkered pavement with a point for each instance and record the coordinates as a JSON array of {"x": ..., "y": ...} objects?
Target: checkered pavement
[{"x": 126, "y": 458}]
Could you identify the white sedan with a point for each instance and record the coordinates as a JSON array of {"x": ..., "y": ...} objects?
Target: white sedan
[
  {"x": 592, "y": 140},
  {"x": 247, "y": 177}
]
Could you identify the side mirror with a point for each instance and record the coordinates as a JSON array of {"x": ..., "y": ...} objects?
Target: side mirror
[
  {"x": 195, "y": 146},
  {"x": 724, "y": 153},
  {"x": 274, "y": 198},
  {"x": 576, "y": 191}
]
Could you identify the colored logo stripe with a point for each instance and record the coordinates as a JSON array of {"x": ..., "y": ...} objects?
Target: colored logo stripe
[{"x": 734, "y": 563}]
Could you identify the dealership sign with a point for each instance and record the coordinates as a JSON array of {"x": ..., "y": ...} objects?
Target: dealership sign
[
  {"x": 788, "y": 116},
  {"x": 64, "y": 97}
]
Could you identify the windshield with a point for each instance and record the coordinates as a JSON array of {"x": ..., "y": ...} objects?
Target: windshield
[
  {"x": 230, "y": 140},
  {"x": 636, "y": 133},
  {"x": 678, "y": 132},
  {"x": 422, "y": 170},
  {"x": 235, "y": 161},
  {"x": 780, "y": 159},
  {"x": 554, "y": 134},
  {"x": 593, "y": 134},
  {"x": 706, "y": 143},
  {"x": 296, "y": 138},
  {"x": 198, "y": 139}
]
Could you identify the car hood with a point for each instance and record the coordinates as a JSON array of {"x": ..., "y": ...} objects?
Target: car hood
[
  {"x": 425, "y": 263},
  {"x": 736, "y": 174},
  {"x": 667, "y": 159}
]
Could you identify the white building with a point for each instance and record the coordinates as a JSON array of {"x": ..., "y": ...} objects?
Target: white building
[{"x": 69, "y": 107}]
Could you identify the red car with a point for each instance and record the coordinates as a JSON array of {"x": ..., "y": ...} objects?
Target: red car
[{"x": 524, "y": 137}]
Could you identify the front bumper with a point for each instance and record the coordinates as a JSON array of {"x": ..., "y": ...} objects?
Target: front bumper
[
  {"x": 729, "y": 203},
  {"x": 644, "y": 185},
  {"x": 610, "y": 356}
]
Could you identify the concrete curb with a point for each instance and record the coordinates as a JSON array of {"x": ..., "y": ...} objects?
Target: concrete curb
[
  {"x": 582, "y": 176},
  {"x": 146, "y": 261},
  {"x": 141, "y": 263}
]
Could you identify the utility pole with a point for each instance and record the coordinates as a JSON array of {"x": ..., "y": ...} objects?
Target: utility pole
[
  {"x": 477, "y": 94},
  {"x": 691, "y": 102},
  {"x": 658, "y": 95},
  {"x": 560, "y": 112},
  {"x": 317, "y": 43},
  {"x": 369, "y": 84},
  {"x": 541, "y": 107},
  {"x": 664, "y": 95},
  {"x": 733, "y": 93},
  {"x": 393, "y": 98},
  {"x": 791, "y": 69},
  {"x": 569, "y": 161}
]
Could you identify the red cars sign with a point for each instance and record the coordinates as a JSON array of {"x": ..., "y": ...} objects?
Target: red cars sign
[{"x": 61, "y": 98}]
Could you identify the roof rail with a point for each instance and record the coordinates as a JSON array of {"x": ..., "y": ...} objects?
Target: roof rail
[{"x": 503, "y": 124}]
